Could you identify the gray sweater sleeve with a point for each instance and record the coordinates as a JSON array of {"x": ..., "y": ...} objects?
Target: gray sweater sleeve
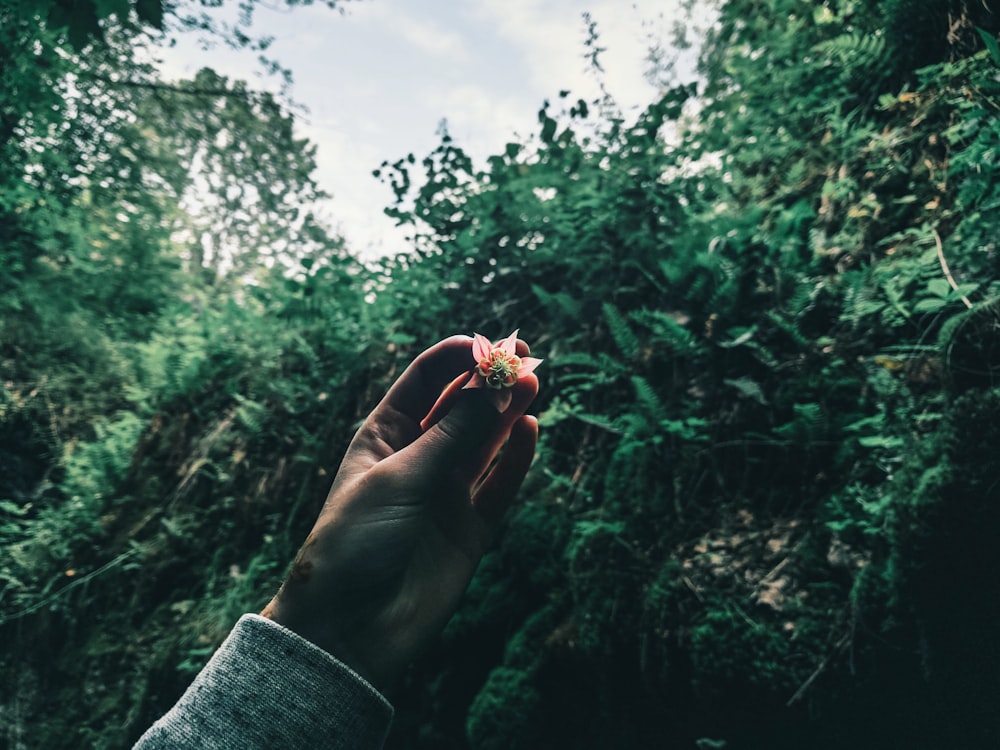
[{"x": 267, "y": 687}]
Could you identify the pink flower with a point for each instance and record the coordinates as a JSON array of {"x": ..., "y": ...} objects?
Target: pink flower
[{"x": 498, "y": 367}]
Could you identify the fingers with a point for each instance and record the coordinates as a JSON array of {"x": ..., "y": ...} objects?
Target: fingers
[
  {"x": 418, "y": 391},
  {"x": 500, "y": 487},
  {"x": 450, "y": 394},
  {"x": 445, "y": 402},
  {"x": 522, "y": 395},
  {"x": 428, "y": 389},
  {"x": 395, "y": 421},
  {"x": 462, "y": 444}
]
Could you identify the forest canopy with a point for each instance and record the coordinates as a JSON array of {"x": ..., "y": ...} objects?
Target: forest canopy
[{"x": 763, "y": 509}]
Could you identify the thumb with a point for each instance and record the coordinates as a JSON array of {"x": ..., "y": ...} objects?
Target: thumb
[
  {"x": 463, "y": 443},
  {"x": 459, "y": 443}
]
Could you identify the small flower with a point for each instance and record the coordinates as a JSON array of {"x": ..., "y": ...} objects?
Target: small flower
[{"x": 498, "y": 367}]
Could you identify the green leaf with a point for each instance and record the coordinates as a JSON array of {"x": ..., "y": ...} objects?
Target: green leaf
[
  {"x": 939, "y": 287},
  {"x": 880, "y": 441},
  {"x": 627, "y": 341},
  {"x": 13, "y": 508},
  {"x": 400, "y": 338},
  {"x": 740, "y": 336},
  {"x": 876, "y": 423},
  {"x": 80, "y": 22},
  {"x": 548, "y": 128},
  {"x": 931, "y": 304},
  {"x": 690, "y": 429},
  {"x": 647, "y": 397},
  {"x": 599, "y": 421},
  {"x": 991, "y": 44},
  {"x": 747, "y": 387},
  {"x": 151, "y": 12},
  {"x": 106, "y": 8}
]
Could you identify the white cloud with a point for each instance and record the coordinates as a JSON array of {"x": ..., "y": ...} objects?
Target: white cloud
[
  {"x": 434, "y": 40},
  {"x": 379, "y": 79},
  {"x": 400, "y": 20},
  {"x": 551, "y": 37},
  {"x": 548, "y": 36}
]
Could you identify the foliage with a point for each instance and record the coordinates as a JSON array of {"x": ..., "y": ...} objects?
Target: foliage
[{"x": 761, "y": 507}]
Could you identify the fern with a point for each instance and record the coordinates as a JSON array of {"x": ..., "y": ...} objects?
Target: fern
[
  {"x": 622, "y": 334},
  {"x": 647, "y": 398},
  {"x": 575, "y": 359},
  {"x": 666, "y": 331},
  {"x": 93, "y": 468},
  {"x": 724, "y": 297},
  {"x": 690, "y": 429},
  {"x": 853, "y": 51},
  {"x": 811, "y": 415},
  {"x": 566, "y": 303},
  {"x": 790, "y": 328},
  {"x": 250, "y": 413},
  {"x": 808, "y": 424},
  {"x": 597, "y": 420}
]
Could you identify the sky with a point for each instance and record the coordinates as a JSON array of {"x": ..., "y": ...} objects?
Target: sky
[{"x": 378, "y": 79}]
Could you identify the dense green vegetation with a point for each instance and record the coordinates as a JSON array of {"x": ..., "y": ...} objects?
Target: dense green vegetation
[{"x": 763, "y": 509}]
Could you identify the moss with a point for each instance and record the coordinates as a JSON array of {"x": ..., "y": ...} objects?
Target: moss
[
  {"x": 730, "y": 652},
  {"x": 490, "y": 599},
  {"x": 505, "y": 715},
  {"x": 531, "y": 544}
]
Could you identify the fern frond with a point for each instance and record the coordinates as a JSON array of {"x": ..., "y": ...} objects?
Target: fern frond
[
  {"x": 808, "y": 424},
  {"x": 621, "y": 332},
  {"x": 665, "y": 331},
  {"x": 647, "y": 398},
  {"x": 557, "y": 301},
  {"x": 854, "y": 51}
]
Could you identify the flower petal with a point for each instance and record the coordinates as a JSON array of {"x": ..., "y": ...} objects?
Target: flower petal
[
  {"x": 509, "y": 344},
  {"x": 480, "y": 347},
  {"x": 528, "y": 364}
]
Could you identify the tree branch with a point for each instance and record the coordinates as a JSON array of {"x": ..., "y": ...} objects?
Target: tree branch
[
  {"x": 151, "y": 86},
  {"x": 945, "y": 269}
]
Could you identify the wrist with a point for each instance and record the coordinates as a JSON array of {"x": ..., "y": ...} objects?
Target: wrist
[{"x": 378, "y": 672}]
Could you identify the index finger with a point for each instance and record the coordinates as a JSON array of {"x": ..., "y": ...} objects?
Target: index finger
[{"x": 419, "y": 387}]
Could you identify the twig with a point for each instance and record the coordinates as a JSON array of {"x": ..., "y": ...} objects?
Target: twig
[
  {"x": 819, "y": 670},
  {"x": 694, "y": 589},
  {"x": 774, "y": 571},
  {"x": 746, "y": 618},
  {"x": 52, "y": 597},
  {"x": 154, "y": 86},
  {"x": 944, "y": 267}
]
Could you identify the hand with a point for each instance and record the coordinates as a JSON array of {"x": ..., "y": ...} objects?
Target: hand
[{"x": 411, "y": 511}]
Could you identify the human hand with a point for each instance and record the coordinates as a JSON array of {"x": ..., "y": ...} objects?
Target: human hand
[{"x": 410, "y": 513}]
